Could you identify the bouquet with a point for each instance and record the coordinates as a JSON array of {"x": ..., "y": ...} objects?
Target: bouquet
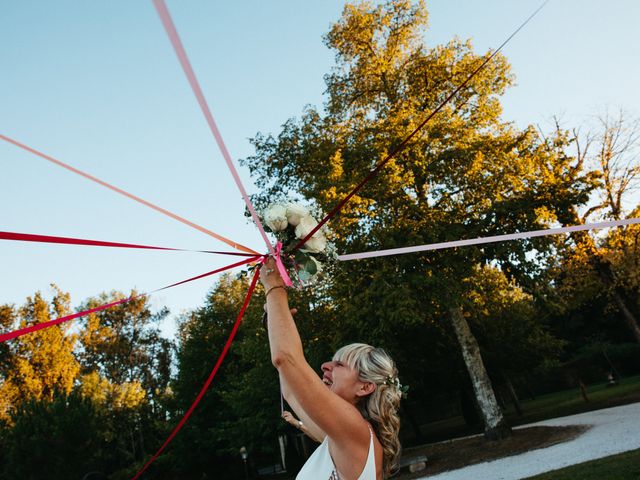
[{"x": 290, "y": 222}]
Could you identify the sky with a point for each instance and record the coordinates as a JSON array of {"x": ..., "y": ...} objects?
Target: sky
[{"x": 97, "y": 85}]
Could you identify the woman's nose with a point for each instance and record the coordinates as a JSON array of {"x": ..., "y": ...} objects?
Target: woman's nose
[{"x": 326, "y": 366}]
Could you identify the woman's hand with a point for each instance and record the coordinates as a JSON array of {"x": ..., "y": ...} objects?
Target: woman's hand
[
  {"x": 270, "y": 276},
  {"x": 289, "y": 418}
]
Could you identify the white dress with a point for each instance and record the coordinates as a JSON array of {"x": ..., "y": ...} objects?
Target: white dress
[{"x": 320, "y": 465}]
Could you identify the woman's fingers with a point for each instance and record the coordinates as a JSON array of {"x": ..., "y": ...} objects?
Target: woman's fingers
[{"x": 269, "y": 274}]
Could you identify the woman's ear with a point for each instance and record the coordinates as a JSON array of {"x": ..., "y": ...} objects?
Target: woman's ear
[{"x": 366, "y": 388}]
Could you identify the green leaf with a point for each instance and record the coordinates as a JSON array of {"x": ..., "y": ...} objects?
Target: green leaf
[
  {"x": 311, "y": 267},
  {"x": 301, "y": 258}
]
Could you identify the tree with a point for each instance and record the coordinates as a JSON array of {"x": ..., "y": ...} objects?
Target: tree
[
  {"x": 40, "y": 365},
  {"x": 467, "y": 173},
  {"x": 615, "y": 164},
  {"x": 209, "y": 444},
  {"x": 126, "y": 369},
  {"x": 56, "y": 439},
  {"x": 513, "y": 336}
]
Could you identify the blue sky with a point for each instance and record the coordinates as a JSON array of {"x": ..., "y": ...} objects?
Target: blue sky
[{"x": 97, "y": 85}]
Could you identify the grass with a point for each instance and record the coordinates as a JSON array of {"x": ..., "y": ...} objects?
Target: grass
[{"x": 624, "y": 466}]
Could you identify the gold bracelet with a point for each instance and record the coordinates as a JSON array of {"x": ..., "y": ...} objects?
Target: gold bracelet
[{"x": 273, "y": 288}]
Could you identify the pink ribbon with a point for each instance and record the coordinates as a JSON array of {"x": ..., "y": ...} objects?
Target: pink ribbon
[
  {"x": 231, "y": 243},
  {"x": 492, "y": 239},
  {"x": 280, "y": 265},
  {"x": 170, "y": 28}
]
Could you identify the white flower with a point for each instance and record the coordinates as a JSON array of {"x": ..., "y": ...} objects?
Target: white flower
[
  {"x": 275, "y": 216},
  {"x": 306, "y": 224},
  {"x": 315, "y": 244},
  {"x": 295, "y": 212}
]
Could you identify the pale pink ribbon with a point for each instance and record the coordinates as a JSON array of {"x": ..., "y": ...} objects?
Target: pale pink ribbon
[
  {"x": 280, "y": 265},
  {"x": 170, "y": 28},
  {"x": 492, "y": 239}
]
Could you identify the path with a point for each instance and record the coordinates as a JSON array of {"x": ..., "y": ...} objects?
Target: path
[{"x": 614, "y": 430}]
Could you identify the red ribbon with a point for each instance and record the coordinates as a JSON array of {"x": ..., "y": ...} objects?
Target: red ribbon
[
  {"x": 231, "y": 243},
  {"x": 29, "y": 237},
  {"x": 213, "y": 373},
  {"x": 40, "y": 326}
]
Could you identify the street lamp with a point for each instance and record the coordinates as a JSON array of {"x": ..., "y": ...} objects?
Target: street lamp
[{"x": 245, "y": 455}]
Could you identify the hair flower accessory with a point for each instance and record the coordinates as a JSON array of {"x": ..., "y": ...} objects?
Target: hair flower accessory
[
  {"x": 290, "y": 222},
  {"x": 395, "y": 382}
]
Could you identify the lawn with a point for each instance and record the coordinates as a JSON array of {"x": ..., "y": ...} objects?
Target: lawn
[{"x": 624, "y": 466}]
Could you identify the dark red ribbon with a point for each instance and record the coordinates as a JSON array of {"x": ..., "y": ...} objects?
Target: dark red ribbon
[
  {"x": 402, "y": 145},
  {"x": 40, "y": 326},
  {"x": 30, "y": 237},
  {"x": 213, "y": 373}
]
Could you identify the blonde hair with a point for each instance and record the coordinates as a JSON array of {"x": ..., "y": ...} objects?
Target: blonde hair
[{"x": 380, "y": 408}]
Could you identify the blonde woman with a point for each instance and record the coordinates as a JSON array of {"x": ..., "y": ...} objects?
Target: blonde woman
[{"x": 352, "y": 409}]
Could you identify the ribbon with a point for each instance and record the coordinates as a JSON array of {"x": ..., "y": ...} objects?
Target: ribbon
[
  {"x": 40, "y": 326},
  {"x": 29, "y": 237},
  {"x": 402, "y": 145},
  {"x": 280, "y": 265},
  {"x": 231, "y": 243},
  {"x": 492, "y": 239},
  {"x": 181, "y": 53},
  {"x": 207, "y": 383}
]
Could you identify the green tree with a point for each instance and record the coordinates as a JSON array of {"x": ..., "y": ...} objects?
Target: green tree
[
  {"x": 608, "y": 154},
  {"x": 40, "y": 365},
  {"x": 242, "y": 406},
  {"x": 57, "y": 439},
  {"x": 126, "y": 369},
  {"x": 467, "y": 174}
]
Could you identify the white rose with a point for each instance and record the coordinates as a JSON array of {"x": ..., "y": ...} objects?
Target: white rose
[
  {"x": 275, "y": 216},
  {"x": 315, "y": 244},
  {"x": 306, "y": 224},
  {"x": 295, "y": 212}
]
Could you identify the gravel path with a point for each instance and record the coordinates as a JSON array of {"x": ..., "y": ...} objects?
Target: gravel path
[{"x": 614, "y": 430}]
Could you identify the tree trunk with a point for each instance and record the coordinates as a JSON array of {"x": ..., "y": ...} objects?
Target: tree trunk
[
  {"x": 629, "y": 317},
  {"x": 495, "y": 426},
  {"x": 513, "y": 395}
]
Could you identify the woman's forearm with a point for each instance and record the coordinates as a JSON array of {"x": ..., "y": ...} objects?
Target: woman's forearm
[{"x": 284, "y": 339}]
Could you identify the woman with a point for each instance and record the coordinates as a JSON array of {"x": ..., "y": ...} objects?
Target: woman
[{"x": 352, "y": 409}]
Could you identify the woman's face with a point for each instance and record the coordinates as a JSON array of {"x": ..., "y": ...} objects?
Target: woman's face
[{"x": 342, "y": 380}]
